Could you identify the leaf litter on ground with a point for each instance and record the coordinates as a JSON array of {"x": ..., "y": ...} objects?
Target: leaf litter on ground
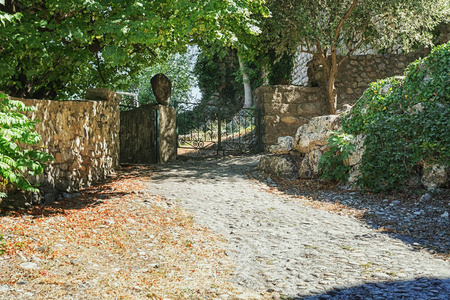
[{"x": 115, "y": 241}]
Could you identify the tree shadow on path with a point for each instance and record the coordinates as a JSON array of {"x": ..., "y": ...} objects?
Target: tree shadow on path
[
  {"x": 420, "y": 288},
  {"x": 109, "y": 189},
  {"x": 219, "y": 168}
]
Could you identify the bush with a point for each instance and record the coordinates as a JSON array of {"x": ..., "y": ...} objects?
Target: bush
[
  {"x": 406, "y": 121},
  {"x": 16, "y": 130},
  {"x": 332, "y": 163}
]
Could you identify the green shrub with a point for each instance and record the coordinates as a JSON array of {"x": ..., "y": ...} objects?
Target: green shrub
[
  {"x": 17, "y": 130},
  {"x": 406, "y": 122},
  {"x": 280, "y": 69},
  {"x": 332, "y": 163}
]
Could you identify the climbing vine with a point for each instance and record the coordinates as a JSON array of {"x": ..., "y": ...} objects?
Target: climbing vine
[{"x": 406, "y": 122}]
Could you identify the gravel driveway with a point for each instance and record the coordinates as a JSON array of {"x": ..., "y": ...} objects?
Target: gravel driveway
[{"x": 293, "y": 250}]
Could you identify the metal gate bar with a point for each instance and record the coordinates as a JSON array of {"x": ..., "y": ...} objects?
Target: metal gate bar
[{"x": 220, "y": 128}]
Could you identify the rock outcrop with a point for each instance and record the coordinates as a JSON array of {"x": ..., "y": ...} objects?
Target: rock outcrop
[
  {"x": 284, "y": 145},
  {"x": 315, "y": 134},
  {"x": 280, "y": 165}
]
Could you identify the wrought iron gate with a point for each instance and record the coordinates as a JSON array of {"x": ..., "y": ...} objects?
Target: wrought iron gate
[{"x": 220, "y": 128}]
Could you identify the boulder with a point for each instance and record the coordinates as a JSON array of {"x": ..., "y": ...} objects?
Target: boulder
[
  {"x": 435, "y": 176},
  {"x": 356, "y": 157},
  {"x": 284, "y": 145},
  {"x": 309, "y": 167},
  {"x": 280, "y": 165},
  {"x": 315, "y": 134},
  {"x": 162, "y": 88},
  {"x": 354, "y": 174}
]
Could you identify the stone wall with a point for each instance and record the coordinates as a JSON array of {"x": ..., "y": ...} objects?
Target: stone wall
[
  {"x": 83, "y": 137},
  {"x": 286, "y": 107},
  {"x": 148, "y": 134},
  {"x": 357, "y": 72}
]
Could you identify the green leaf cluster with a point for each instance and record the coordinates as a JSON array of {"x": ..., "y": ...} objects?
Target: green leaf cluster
[
  {"x": 16, "y": 131},
  {"x": 218, "y": 72},
  {"x": 2, "y": 245},
  {"x": 332, "y": 163},
  {"x": 406, "y": 122},
  {"x": 59, "y": 48},
  {"x": 178, "y": 68},
  {"x": 279, "y": 68}
]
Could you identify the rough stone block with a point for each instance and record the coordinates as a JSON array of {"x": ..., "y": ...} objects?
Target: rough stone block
[
  {"x": 59, "y": 158},
  {"x": 309, "y": 167},
  {"x": 315, "y": 134},
  {"x": 292, "y": 120},
  {"x": 283, "y": 146},
  {"x": 277, "y": 165},
  {"x": 435, "y": 176},
  {"x": 309, "y": 109}
]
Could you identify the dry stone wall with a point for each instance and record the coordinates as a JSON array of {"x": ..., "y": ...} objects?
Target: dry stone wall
[
  {"x": 83, "y": 137},
  {"x": 355, "y": 74},
  {"x": 287, "y": 107}
]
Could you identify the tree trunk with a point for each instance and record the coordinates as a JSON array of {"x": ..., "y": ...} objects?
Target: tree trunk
[
  {"x": 332, "y": 94},
  {"x": 331, "y": 89},
  {"x": 248, "y": 99}
]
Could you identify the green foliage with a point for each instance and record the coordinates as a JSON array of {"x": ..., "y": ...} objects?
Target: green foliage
[
  {"x": 179, "y": 69},
  {"x": 6, "y": 18},
  {"x": 333, "y": 30},
  {"x": 332, "y": 163},
  {"x": 280, "y": 69},
  {"x": 406, "y": 122},
  {"x": 2, "y": 245},
  {"x": 59, "y": 48},
  {"x": 218, "y": 72},
  {"x": 16, "y": 130},
  {"x": 350, "y": 24}
]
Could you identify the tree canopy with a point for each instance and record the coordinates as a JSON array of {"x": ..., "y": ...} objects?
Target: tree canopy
[
  {"x": 332, "y": 30},
  {"x": 54, "y": 49}
]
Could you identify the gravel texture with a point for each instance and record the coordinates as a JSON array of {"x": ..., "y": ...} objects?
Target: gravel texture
[{"x": 314, "y": 245}]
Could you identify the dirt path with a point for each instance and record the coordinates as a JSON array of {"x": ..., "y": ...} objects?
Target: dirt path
[{"x": 282, "y": 246}]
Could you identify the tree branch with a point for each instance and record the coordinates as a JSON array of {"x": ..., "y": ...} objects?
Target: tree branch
[
  {"x": 363, "y": 39},
  {"x": 99, "y": 69},
  {"x": 322, "y": 56},
  {"x": 307, "y": 50},
  {"x": 341, "y": 23}
]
